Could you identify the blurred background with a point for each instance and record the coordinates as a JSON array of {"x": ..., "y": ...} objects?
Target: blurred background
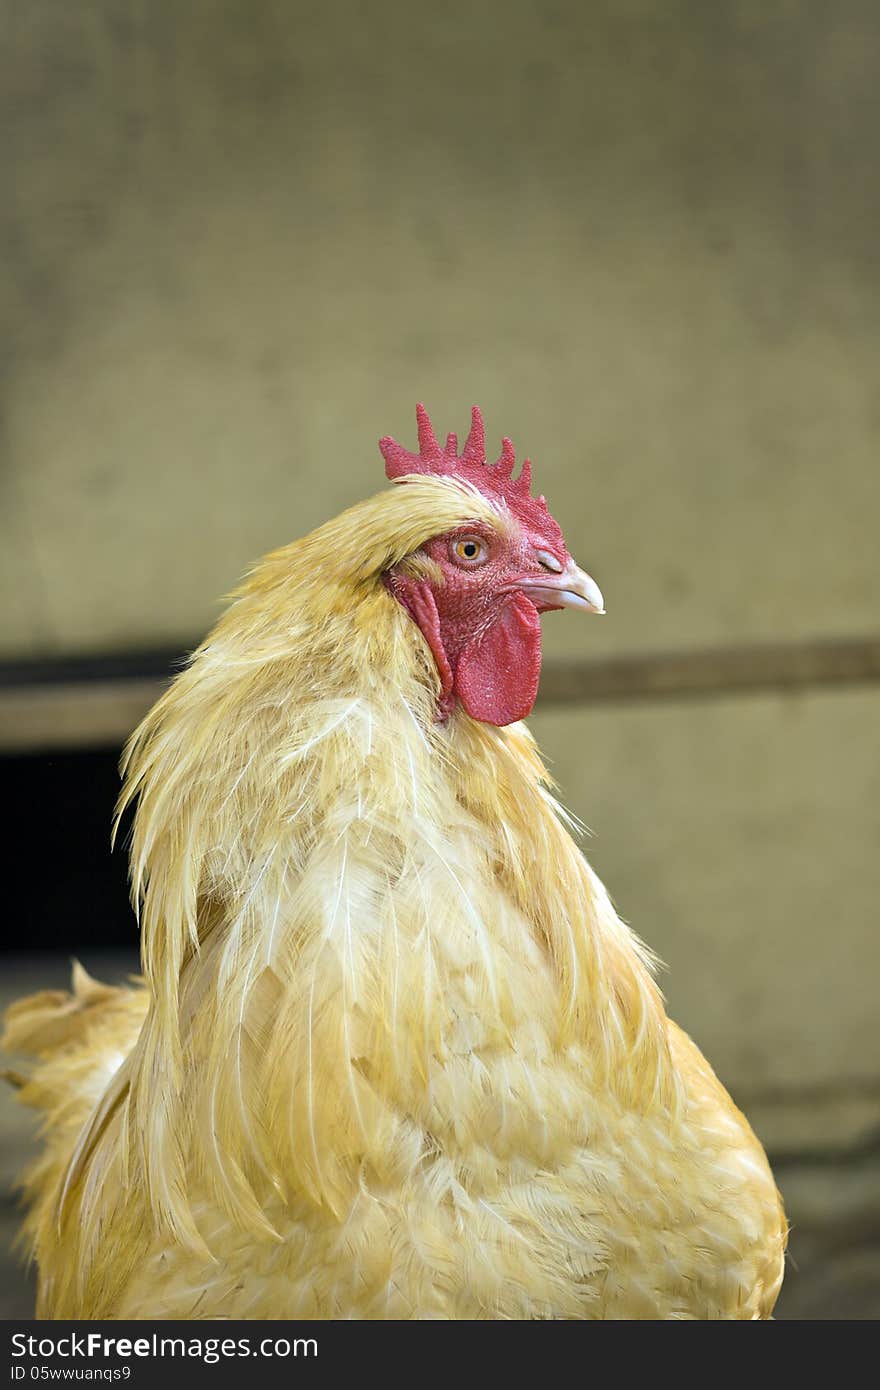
[{"x": 238, "y": 241}]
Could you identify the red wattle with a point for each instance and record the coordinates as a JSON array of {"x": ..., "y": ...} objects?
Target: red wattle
[{"x": 496, "y": 677}]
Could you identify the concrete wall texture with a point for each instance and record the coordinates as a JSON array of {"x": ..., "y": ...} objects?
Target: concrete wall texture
[{"x": 239, "y": 241}]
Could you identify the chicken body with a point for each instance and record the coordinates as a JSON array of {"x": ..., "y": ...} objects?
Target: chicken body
[{"x": 396, "y": 1055}]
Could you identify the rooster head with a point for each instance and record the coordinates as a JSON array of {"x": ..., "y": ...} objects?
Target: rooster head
[{"x": 476, "y": 592}]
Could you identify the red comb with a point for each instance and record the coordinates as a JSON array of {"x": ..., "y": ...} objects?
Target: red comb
[{"x": 470, "y": 465}]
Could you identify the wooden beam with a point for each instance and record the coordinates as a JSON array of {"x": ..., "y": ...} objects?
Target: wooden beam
[
  {"x": 73, "y": 714},
  {"x": 97, "y": 705},
  {"x": 731, "y": 670}
]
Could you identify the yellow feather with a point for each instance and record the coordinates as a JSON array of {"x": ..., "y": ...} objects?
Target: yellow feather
[{"x": 397, "y": 1055}]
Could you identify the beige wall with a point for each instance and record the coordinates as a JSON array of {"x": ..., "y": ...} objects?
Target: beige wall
[
  {"x": 239, "y": 242},
  {"x": 237, "y": 250}
]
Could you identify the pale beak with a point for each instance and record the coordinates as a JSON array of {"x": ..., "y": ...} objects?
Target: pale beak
[{"x": 571, "y": 588}]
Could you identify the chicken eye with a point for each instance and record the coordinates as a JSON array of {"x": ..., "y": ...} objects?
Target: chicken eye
[{"x": 469, "y": 550}]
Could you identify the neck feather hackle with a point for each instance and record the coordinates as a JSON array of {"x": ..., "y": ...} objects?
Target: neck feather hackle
[{"x": 346, "y": 905}]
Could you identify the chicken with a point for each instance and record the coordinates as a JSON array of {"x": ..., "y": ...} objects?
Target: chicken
[{"x": 396, "y": 1055}]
